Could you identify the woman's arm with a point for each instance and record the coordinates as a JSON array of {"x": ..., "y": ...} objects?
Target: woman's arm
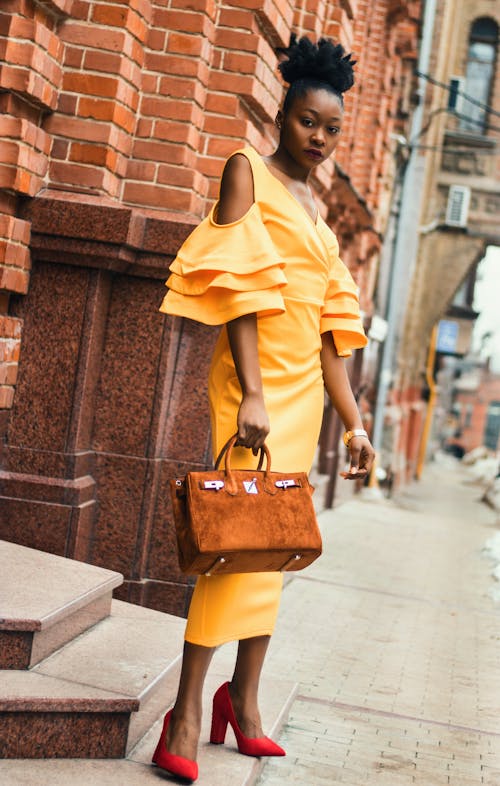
[
  {"x": 253, "y": 421},
  {"x": 340, "y": 392},
  {"x": 236, "y": 198}
]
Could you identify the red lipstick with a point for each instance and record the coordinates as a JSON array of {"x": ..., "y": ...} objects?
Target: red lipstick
[{"x": 314, "y": 153}]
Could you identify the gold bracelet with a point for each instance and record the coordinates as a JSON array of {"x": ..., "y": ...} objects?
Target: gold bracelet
[{"x": 355, "y": 432}]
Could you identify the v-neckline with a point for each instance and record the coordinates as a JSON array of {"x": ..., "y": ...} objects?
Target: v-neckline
[{"x": 314, "y": 221}]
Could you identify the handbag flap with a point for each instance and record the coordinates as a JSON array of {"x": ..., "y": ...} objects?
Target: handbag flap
[{"x": 258, "y": 511}]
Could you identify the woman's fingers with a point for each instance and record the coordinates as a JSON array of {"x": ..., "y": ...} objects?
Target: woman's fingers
[
  {"x": 253, "y": 422},
  {"x": 367, "y": 456},
  {"x": 362, "y": 457},
  {"x": 252, "y": 437}
]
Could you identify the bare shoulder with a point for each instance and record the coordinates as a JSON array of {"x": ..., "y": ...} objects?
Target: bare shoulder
[{"x": 236, "y": 189}]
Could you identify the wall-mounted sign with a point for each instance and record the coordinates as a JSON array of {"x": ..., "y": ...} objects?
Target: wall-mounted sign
[{"x": 447, "y": 338}]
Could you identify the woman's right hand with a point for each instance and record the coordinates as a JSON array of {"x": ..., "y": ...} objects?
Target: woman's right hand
[{"x": 253, "y": 422}]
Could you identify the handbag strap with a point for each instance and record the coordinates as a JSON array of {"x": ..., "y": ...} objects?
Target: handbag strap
[{"x": 228, "y": 447}]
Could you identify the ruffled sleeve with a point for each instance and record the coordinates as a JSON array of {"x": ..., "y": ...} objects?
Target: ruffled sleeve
[
  {"x": 223, "y": 271},
  {"x": 340, "y": 312}
]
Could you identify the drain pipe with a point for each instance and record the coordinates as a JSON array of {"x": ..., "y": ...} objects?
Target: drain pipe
[{"x": 431, "y": 382}]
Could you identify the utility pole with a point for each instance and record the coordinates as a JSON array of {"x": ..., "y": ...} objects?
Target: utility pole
[{"x": 406, "y": 240}]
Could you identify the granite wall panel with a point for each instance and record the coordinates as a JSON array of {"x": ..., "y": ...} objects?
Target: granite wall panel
[
  {"x": 168, "y": 596},
  {"x": 89, "y": 735},
  {"x": 129, "y": 368},
  {"x": 187, "y": 426},
  {"x": 111, "y": 394},
  {"x": 120, "y": 482},
  {"x": 15, "y": 649},
  {"x": 162, "y": 553},
  {"x": 38, "y": 525},
  {"x": 52, "y": 312}
]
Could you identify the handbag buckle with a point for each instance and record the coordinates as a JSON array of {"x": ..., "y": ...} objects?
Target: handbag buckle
[
  {"x": 219, "y": 562},
  {"x": 213, "y": 484},
  {"x": 293, "y": 559},
  {"x": 287, "y": 483}
]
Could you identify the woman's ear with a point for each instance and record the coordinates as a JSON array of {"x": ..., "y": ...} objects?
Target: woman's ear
[{"x": 279, "y": 119}]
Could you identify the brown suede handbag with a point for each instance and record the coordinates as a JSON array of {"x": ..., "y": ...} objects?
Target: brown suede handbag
[{"x": 244, "y": 520}]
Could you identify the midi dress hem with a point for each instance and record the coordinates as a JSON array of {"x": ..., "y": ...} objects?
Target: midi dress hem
[{"x": 203, "y": 641}]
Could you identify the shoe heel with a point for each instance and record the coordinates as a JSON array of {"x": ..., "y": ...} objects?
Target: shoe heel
[
  {"x": 218, "y": 730},
  {"x": 157, "y": 754}
]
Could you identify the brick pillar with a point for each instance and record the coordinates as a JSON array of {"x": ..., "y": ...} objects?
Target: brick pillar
[
  {"x": 30, "y": 75},
  {"x": 92, "y": 129},
  {"x": 163, "y": 171}
]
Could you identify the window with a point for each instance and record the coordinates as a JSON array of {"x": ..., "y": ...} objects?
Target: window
[
  {"x": 479, "y": 75},
  {"x": 492, "y": 428}
]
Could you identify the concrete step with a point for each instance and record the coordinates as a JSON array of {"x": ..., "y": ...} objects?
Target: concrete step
[
  {"x": 219, "y": 764},
  {"x": 45, "y": 601},
  {"x": 99, "y": 694}
]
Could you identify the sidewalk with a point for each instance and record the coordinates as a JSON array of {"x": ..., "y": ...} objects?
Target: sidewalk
[
  {"x": 393, "y": 638},
  {"x": 394, "y": 641}
]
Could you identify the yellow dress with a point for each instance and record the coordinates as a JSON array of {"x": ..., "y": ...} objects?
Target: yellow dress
[{"x": 278, "y": 262}]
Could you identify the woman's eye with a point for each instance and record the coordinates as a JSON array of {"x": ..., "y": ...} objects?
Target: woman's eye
[
  {"x": 306, "y": 121},
  {"x": 334, "y": 130}
]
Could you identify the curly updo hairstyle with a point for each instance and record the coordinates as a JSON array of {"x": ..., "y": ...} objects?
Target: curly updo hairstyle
[{"x": 321, "y": 66}]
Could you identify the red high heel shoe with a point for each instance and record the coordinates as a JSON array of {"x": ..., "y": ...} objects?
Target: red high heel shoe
[
  {"x": 176, "y": 765},
  {"x": 223, "y": 713}
]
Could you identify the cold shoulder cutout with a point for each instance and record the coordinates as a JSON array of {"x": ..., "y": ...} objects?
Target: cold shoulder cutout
[{"x": 236, "y": 193}]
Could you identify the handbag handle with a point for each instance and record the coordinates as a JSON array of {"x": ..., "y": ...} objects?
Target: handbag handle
[{"x": 227, "y": 449}]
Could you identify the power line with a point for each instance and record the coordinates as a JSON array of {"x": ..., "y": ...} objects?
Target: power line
[
  {"x": 469, "y": 98},
  {"x": 484, "y": 125},
  {"x": 470, "y": 149},
  {"x": 481, "y": 123}
]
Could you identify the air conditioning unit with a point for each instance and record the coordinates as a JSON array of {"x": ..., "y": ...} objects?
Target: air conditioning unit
[
  {"x": 457, "y": 209},
  {"x": 456, "y": 94}
]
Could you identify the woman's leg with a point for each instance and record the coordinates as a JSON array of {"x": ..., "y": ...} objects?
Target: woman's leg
[
  {"x": 185, "y": 723},
  {"x": 244, "y": 686}
]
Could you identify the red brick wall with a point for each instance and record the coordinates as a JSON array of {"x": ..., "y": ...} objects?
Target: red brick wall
[
  {"x": 30, "y": 78},
  {"x": 141, "y": 100},
  {"x": 472, "y": 430}
]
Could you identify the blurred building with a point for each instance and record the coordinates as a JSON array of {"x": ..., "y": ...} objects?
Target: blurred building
[
  {"x": 457, "y": 215},
  {"x": 475, "y": 409},
  {"x": 116, "y": 120}
]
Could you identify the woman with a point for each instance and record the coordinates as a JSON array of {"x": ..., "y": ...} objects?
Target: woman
[{"x": 265, "y": 266}]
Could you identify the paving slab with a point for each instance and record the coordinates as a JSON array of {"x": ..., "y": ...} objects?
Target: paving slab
[{"x": 393, "y": 637}]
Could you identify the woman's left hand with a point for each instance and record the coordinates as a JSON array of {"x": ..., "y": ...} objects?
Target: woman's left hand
[{"x": 362, "y": 457}]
